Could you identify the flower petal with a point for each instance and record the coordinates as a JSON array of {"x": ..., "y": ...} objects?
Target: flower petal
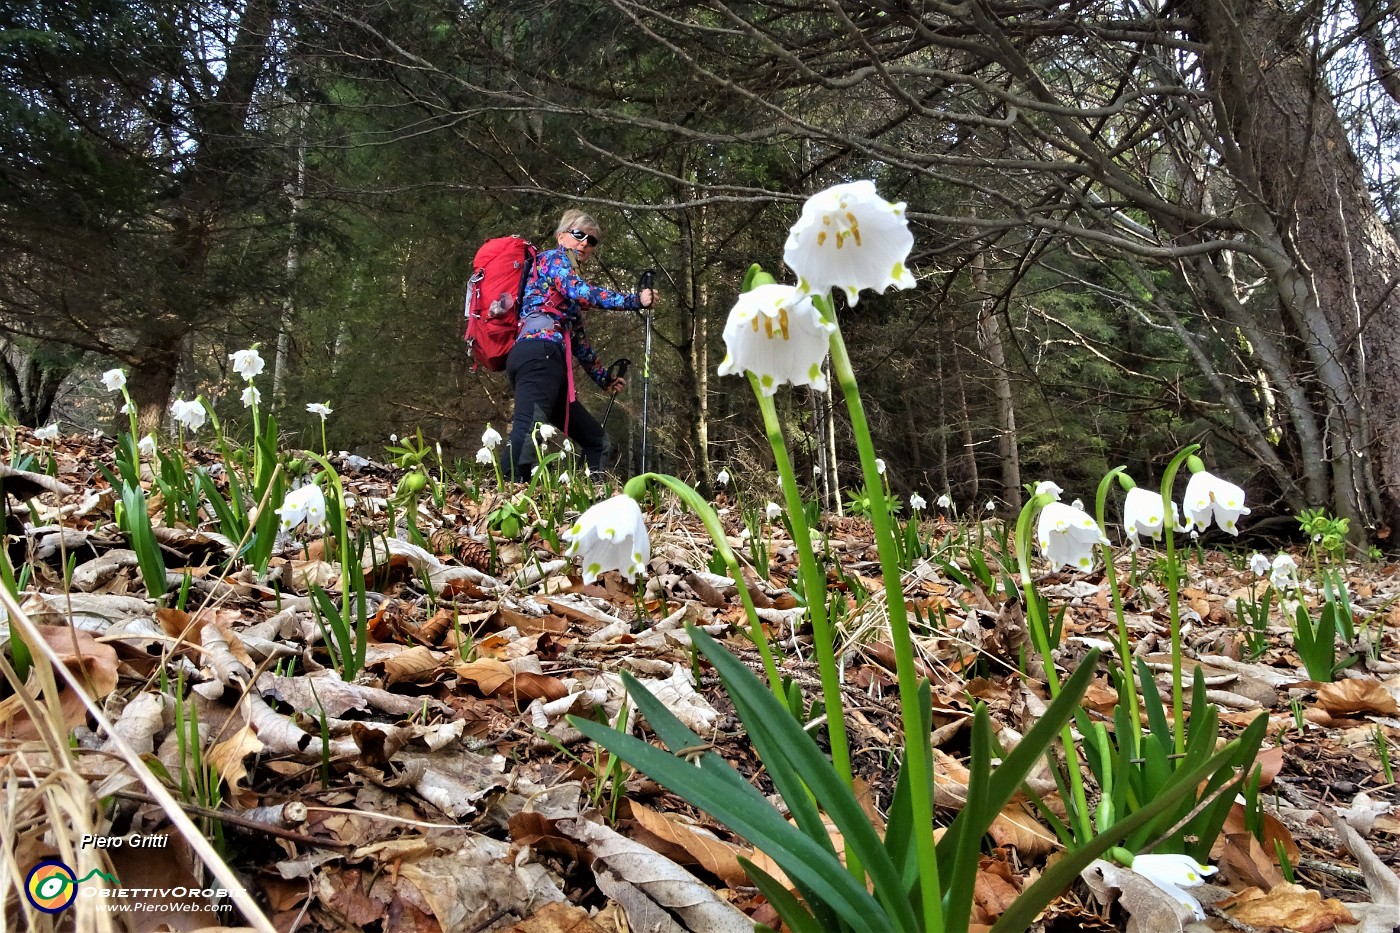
[
  {"x": 849, "y": 237},
  {"x": 778, "y": 336}
]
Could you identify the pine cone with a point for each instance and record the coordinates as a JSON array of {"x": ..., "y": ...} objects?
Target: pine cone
[
  {"x": 474, "y": 554},
  {"x": 443, "y": 542}
]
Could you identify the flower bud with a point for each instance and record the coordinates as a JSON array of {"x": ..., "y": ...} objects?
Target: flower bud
[
  {"x": 1194, "y": 464},
  {"x": 1125, "y": 482}
]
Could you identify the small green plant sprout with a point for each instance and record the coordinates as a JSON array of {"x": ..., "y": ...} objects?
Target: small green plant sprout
[
  {"x": 1383, "y": 753},
  {"x": 1316, "y": 643},
  {"x": 410, "y": 452},
  {"x": 1255, "y": 613},
  {"x": 508, "y": 520},
  {"x": 410, "y": 487},
  {"x": 1327, "y": 535}
]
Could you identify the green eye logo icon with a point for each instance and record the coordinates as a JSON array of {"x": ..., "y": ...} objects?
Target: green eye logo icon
[{"x": 51, "y": 886}]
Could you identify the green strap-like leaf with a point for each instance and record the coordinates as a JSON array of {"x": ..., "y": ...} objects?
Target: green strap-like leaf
[
  {"x": 962, "y": 872},
  {"x": 781, "y": 741},
  {"x": 1062, "y": 872},
  {"x": 800, "y": 857},
  {"x": 1011, "y": 773},
  {"x": 796, "y": 917}
]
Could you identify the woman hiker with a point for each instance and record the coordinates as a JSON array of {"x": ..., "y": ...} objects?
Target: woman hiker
[{"x": 551, "y": 329}]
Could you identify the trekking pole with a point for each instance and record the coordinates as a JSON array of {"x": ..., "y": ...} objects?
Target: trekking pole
[
  {"x": 618, "y": 370},
  {"x": 646, "y": 281}
]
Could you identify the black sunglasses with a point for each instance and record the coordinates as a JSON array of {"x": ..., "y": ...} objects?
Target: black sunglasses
[{"x": 582, "y": 237}]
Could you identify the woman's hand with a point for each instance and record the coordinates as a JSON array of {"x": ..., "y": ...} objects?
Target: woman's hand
[
  {"x": 616, "y": 386},
  {"x": 647, "y": 297}
]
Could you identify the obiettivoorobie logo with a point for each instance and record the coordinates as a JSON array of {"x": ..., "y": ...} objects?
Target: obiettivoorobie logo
[{"x": 52, "y": 886}]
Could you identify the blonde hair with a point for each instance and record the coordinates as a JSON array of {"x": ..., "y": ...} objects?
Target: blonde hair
[{"x": 575, "y": 219}]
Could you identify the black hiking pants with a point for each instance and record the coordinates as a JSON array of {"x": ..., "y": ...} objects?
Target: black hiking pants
[{"x": 538, "y": 375}]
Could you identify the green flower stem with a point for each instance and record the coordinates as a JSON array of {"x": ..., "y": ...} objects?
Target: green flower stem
[
  {"x": 1174, "y": 595},
  {"x": 343, "y": 545},
  {"x": 915, "y": 743},
  {"x": 636, "y": 488},
  {"x": 130, "y": 413},
  {"x": 1129, "y": 684},
  {"x": 1040, "y": 634},
  {"x": 1035, "y": 623},
  {"x": 814, "y": 583}
]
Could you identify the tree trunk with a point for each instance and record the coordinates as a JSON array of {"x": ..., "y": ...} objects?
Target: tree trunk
[
  {"x": 1330, "y": 258},
  {"x": 31, "y": 380},
  {"x": 989, "y": 332},
  {"x": 151, "y": 378}
]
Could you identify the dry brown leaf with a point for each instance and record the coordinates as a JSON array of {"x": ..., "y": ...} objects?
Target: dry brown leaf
[
  {"x": 558, "y": 917},
  {"x": 995, "y": 888},
  {"x": 94, "y": 663},
  {"x": 415, "y": 665},
  {"x": 1362, "y": 695},
  {"x": 716, "y": 856},
  {"x": 1016, "y": 827},
  {"x": 227, "y": 758},
  {"x": 1149, "y": 908},
  {"x": 644, "y": 881},
  {"x": 225, "y": 655},
  {"x": 1245, "y": 861},
  {"x": 1291, "y": 907},
  {"x": 1270, "y": 762}
]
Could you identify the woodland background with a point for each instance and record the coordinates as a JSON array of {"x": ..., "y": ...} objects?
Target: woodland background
[{"x": 1138, "y": 224}]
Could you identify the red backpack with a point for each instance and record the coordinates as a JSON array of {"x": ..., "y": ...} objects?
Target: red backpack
[{"x": 499, "y": 273}]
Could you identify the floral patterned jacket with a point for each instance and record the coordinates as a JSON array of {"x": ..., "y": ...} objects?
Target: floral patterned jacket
[{"x": 554, "y": 300}]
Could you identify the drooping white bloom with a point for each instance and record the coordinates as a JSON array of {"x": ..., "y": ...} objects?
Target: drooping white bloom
[
  {"x": 611, "y": 535},
  {"x": 722, "y": 478},
  {"x": 1259, "y": 564},
  {"x": 114, "y": 380},
  {"x": 991, "y": 506},
  {"x": 319, "y": 408},
  {"x": 251, "y": 396},
  {"x": 773, "y": 510},
  {"x": 1173, "y": 874},
  {"x": 1050, "y": 486},
  {"x": 879, "y": 466},
  {"x": 547, "y": 431},
  {"x": 306, "y": 504},
  {"x": 247, "y": 363},
  {"x": 779, "y": 336},
  {"x": 490, "y": 438},
  {"x": 1208, "y": 496},
  {"x": 850, "y": 238},
  {"x": 190, "y": 414},
  {"x": 49, "y": 433},
  {"x": 563, "y": 479},
  {"x": 146, "y": 446},
  {"x": 945, "y": 501},
  {"x": 485, "y": 457},
  {"x": 1283, "y": 573},
  {"x": 1067, "y": 536},
  {"x": 816, "y": 469},
  {"x": 568, "y": 446},
  {"x": 1077, "y": 504},
  {"x": 1142, "y": 514},
  {"x": 917, "y": 503}
]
